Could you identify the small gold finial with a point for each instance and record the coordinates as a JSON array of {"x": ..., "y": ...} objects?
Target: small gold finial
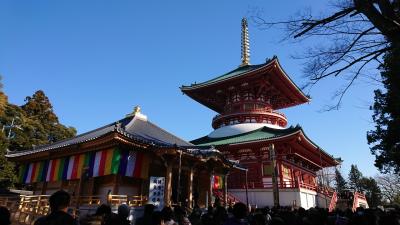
[
  {"x": 245, "y": 43},
  {"x": 136, "y": 110}
]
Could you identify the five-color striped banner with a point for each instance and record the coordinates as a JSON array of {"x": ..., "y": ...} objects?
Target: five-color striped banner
[{"x": 101, "y": 163}]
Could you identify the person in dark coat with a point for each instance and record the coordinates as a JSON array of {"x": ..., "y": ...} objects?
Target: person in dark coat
[
  {"x": 146, "y": 219},
  {"x": 121, "y": 218},
  {"x": 239, "y": 215},
  {"x": 4, "y": 216},
  {"x": 59, "y": 202}
]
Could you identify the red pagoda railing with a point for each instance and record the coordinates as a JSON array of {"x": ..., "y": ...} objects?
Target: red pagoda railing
[
  {"x": 258, "y": 112},
  {"x": 285, "y": 185}
]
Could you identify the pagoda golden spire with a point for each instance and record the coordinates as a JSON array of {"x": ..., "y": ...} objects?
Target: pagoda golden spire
[{"x": 245, "y": 44}]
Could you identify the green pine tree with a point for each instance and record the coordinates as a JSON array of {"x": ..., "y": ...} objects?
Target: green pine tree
[
  {"x": 385, "y": 139},
  {"x": 38, "y": 107},
  {"x": 7, "y": 168},
  {"x": 34, "y": 124},
  {"x": 341, "y": 183},
  {"x": 355, "y": 178},
  {"x": 372, "y": 191}
]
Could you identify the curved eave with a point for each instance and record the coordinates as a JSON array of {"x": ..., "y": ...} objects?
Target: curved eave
[
  {"x": 332, "y": 159},
  {"x": 298, "y": 131},
  {"x": 207, "y": 141},
  {"x": 271, "y": 65},
  {"x": 217, "y": 81},
  {"x": 209, "y": 152},
  {"x": 17, "y": 154},
  {"x": 122, "y": 136},
  {"x": 295, "y": 89}
]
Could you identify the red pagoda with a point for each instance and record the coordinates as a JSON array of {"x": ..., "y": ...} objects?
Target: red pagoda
[{"x": 246, "y": 100}]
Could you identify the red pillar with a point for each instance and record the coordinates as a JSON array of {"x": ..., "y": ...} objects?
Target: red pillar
[
  {"x": 280, "y": 175},
  {"x": 292, "y": 177}
]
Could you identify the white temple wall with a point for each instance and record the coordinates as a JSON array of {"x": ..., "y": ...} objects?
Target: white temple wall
[
  {"x": 308, "y": 198},
  {"x": 287, "y": 197}
]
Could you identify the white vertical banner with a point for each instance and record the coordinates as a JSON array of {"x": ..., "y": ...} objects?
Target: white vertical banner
[{"x": 156, "y": 192}]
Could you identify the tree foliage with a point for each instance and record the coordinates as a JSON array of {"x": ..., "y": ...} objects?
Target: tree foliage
[
  {"x": 36, "y": 123},
  {"x": 355, "y": 177},
  {"x": 7, "y": 173},
  {"x": 341, "y": 183},
  {"x": 372, "y": 191},
  {"x": 27, "y": 126},
  {"x": 385, "y": 138},
  {"x": 353, "y": 38}
]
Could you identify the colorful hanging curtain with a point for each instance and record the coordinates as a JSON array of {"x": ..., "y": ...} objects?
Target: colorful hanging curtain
[
  {"x": 76, "y": 163},
  {"x": 56, "y": 169},
  {"x": 106, "y": 162},
  {"x": 134, "y": 164},
  {"x": 32, "y": 172},
  {"x": 101, "y": 163},
  {"x": 218, "y": 182}
]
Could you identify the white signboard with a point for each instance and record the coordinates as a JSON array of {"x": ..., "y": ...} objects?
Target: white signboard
[{"x": 156, "y": 192}]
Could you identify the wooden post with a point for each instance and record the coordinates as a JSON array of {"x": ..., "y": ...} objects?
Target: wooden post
[
  {"x": 168, "y": 184},
  {"x": 226, "y": 190},
  {"x": 292, "y": 177},
  {"x": 280, "y": 166},
  {"x": 210, "y": 188},
  {"x": 275, "y": 188},
  {"x": 247, "y": 188},
  {"x": 116, "y": 181},
  {"x": 190, "y": 187},
  {"x": 178, "y": 193},
  {"x": 44, "y": 187}
]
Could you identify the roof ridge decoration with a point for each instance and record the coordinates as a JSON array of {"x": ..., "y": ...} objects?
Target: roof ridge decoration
[{"x": 245, "y": 44}]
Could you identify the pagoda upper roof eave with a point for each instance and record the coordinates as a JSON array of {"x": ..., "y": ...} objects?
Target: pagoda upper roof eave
[{"x": 272, "y": 64}]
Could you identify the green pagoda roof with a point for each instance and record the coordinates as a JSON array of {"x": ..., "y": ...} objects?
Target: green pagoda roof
[
  {"x": 263, "y": 133},
  {"x": 234, "y": 73}
]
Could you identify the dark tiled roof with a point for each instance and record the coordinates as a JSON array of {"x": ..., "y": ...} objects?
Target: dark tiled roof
[
  {"x": 132, "y": 127},
  {"x": 152, "y": 132}
]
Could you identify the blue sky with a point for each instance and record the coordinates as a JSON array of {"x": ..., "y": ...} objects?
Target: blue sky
[{"x": 96, "y": 60}]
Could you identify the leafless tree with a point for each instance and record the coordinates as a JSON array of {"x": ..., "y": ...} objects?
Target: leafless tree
[
  {"x": 390, "y": 186},
  {"x": 355, "y": 36}
]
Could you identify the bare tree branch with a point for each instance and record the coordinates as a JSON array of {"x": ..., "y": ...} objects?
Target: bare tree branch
[{"x": 309, "y": 25}]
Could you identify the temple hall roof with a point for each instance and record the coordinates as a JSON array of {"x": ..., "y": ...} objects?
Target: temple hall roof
[{"x": 134, "y": 127}]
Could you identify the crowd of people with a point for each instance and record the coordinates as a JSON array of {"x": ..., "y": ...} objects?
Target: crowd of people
[{"x": 238, "y": 214}]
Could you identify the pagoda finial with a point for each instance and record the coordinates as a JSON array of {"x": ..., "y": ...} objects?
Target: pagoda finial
[{"x": 245, "y": 44}]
